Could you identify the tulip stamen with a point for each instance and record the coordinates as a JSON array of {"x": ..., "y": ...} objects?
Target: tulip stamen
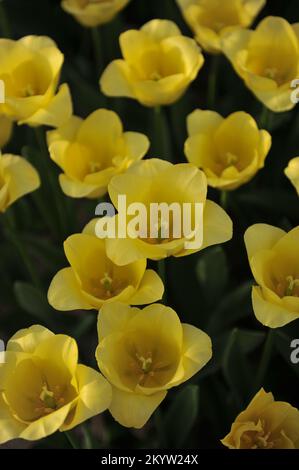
[
  {"x": 156, "y": 76},
  {"x": 292, "y": 285},
  {"x": 231, "y": 159},
  {"x": 271, "y": 72},
  {"x": 146, "y": 363},
  {"x": 106, "y": 282}
]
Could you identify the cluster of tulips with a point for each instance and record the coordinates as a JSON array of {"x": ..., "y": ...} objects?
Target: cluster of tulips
[{"x": 143, "y": 353}]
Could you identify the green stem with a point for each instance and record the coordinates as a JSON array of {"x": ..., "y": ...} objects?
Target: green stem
[
  {"x": 49, "y": 180},
  {"x": 224, "y": 199},
  {"x": 19, "y": 245},
  {"x": 163, "y": 275},
  {"x": 213, "y": 82},
  {"x": 98, "y": 49},
  {"x": 87, "y": 437},
  {"x": 71, "y": 440},
  {"x": 161, "y": 140},
  {"x": 265, "y": 118},
  {"x": 265, "y": 360},
  {"x": 4, "y": 22}
]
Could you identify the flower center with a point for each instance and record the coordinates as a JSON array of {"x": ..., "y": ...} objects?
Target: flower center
[
  {"x": 292, "y": 287},
  {"x": 155, "y": 76},
  {"x": 146, "y": 363},
  {"x": 28, "y": 91},
  {"x": 106, "y": 282},
  {"x": 49, "y": 401},
  {"x": 271, "y": 72}
]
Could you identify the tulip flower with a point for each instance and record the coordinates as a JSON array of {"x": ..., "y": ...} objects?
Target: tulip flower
[
  {"x": 292, "y": 172},
  {"x": 230, "y": 151},
  {"x": 91, "y": 151},
  {"x": 267, "y": 59},
  {"x": 156, "y": 181},
  {"x": 265, "y": 424},
  {"x": 93, "y": 13},
  {"x": 93, "y": 280},
  {"x": 44, "y": 389},
  {"x": 30, "y": 69},
  {"x": 17, "y": 178},
  {"x": 274, "y": 259},
  {"x": 158, "y": 65},
  {"x": 144, "y": 353},
  {"x": 211, "y": 19}
]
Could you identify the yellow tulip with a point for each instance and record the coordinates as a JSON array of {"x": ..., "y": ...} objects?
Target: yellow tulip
[
  {"x": 157, "y": 181},
  {"x": 144, "y": 353},
  {"x": 91, "y": 151},
  {"x": 274, "y": 260},
  {"x": 92, "y": 13},
  {"x": 93, "y": 280},
  {"x": 43, "y": 389},
  {"x": 5, "y": 130},
  {"x": 30, "y": 69},
  {"x": 17, "y": 178},
  {"x": 292, "y": 172},
  {"x": 230, "y": 151},
  {"x": 159, "y": 64},
  {"x": 210, "y": 19},
  {"x": 267, "y": 59},
  {"x": 265, "y": 424}
]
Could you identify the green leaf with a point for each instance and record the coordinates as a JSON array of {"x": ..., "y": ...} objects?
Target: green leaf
[
  {"x": 234, "y": 307},
  {"x": 283, "y": 347},
  {"x": 181, "y": 416},
  {"x": 33, "y": 301},
  {"x": 237, "y": 369},
  {"x": 212, "y": 274}
]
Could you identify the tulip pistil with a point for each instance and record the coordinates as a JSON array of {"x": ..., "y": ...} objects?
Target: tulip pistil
[
  {"x": 292, "y": 288},
  {"x": 106, "y": 282},
  {"x": 49, "y": 401}
]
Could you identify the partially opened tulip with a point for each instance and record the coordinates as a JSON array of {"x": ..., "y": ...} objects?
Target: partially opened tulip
[
  {"x": 158, "y": 65},
  {"x": 30, "y": 69},
  {"x": 265, "y": 424},
  {"x": 154, "y": 182},
  {"x": 229, "y": 150},
  {"x": 211, "y": 19},
  {"x": 44, "y": 389},
  {"x": 267, "y": 59},
  {"x": 17, "y": 178},
  {"x": 143, "y": 354},
  {"x": 92, "y": 13},
  {"x": 91, "y": 151},
  {"x": 274, "y": 260},
  {"x": 93, "y": 280},
  {"x": 6, "y": 126},
  {"x": 292, "y": 172}
]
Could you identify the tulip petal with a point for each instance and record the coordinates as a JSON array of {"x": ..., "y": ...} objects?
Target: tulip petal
[
  {"x": 46, "y": 425},
  {"x": 137, "y": 145},
  {"x": 132, "y": 410},
  {"x": 60, "y": 350},
  {"x": 150, "y": 290},
  {"x": 115, "y": 80},
  {"x": 161, "y": 29},
  {"x": 269, "y": 313},
  {"x": 23, "y": 178},
  {"x": 65, "y": 292},
  {"x": 203, "y": 122},
  {"x": 260, "y": 237},
  {"x": 94, "y": 397},
  {"x": 10, "y": 428},
  {"x": 27, "y": 340},
  {"x": 217, "y": 225},
  {"x": 113, "y": 318}
]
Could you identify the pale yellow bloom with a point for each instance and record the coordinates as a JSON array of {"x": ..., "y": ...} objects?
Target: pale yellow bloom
[
  {"x": 30, "y": 69},
  {"x": 292, "y": 172},
  {"x": 43, "y": 389},
  {"x": 91, "y": 151},
  {"x": 230, "y": 151},
  {"x": 157, "y": 67},
  {"x": 17, "y": 178},
  {"x": 92, "y": 13},
  {"x": 265, "y": 424},
  {"x": 5, "y": 130},
  {"x": 157, "y": 181},
  {"x": 274, "y": 260},
  {"x": 211, "y": 19},
  {"x": 144, "y": 353},
  {"x": 267, "y": 59},
  {"x": 93, "y": 280}
]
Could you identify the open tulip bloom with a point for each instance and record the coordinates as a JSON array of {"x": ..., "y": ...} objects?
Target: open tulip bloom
[
  {"x": 43, "y": 389},
  {"x": 158, "y": 65},
  {"x": 211, "y": 19},
  {"x": 274, "y": 260},
  {"x": 267, "y": 59},
  {"x": 144, "y": 353}
]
